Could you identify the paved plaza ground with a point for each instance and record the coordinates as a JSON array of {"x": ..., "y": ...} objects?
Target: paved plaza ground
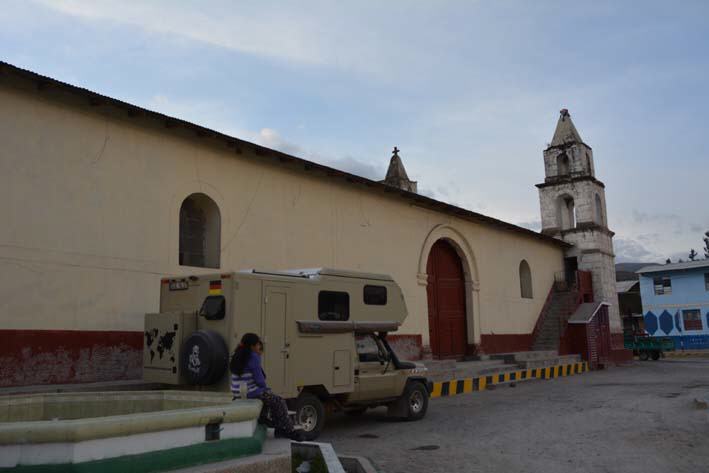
[{"x": 637, "y": 418}]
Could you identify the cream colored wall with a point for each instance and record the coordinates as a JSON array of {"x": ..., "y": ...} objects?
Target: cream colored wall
[{"x": 90, "y": 223}]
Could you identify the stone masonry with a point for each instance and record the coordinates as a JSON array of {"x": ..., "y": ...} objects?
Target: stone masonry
[{"x": 573, "y": 208}]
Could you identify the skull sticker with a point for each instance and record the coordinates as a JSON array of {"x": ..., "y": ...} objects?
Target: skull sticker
[{"x": 194, "y": 363}]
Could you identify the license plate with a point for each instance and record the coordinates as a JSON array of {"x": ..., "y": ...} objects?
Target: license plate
[{"x": 181, "y": 285}]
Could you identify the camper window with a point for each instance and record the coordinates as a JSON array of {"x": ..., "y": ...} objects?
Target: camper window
[
  {"x": 375, "y": 295},
  {"x": 213, "y": 308},
  {"x": 333, "y": 305}
]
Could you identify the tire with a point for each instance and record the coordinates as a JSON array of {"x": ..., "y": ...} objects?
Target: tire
[
  {"x": 644, "y": 355},
  {"x": 310, "y": 415},
  {"x": 655, "y": 355},
  {"x": 204, "y": 357},
  {"x": 416, "y": 398}
]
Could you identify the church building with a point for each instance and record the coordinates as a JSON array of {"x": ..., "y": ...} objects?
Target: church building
[{"x": 102, "y": 198}]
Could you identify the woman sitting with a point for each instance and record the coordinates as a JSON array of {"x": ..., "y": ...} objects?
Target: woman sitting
[{"x": 249, "y": 380}]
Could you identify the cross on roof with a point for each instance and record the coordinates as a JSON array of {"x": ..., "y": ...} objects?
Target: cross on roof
[{"x": 396, "y": 150}]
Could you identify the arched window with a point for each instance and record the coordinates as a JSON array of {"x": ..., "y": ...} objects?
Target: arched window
[
  {"x": 562, "y": 165},
  {"x": 599, "y": 210},
  {"x": 566, "y": 212},
  {"x": 200, "y": 232},
  {"x": 525, "y": 280}
]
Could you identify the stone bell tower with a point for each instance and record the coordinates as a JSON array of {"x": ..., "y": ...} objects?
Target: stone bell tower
[{"x": 573, "y": 206}]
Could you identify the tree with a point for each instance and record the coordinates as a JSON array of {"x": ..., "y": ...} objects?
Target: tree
[
  {"x": 706, "y": 245},
  {"x": 692, "y": 255},
  {"x": 668, "y": 261}
]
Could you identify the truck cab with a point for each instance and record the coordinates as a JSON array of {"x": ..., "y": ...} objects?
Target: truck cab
[{"x": 324, "y": 333}]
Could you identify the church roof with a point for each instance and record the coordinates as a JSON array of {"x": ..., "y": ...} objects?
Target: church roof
[
  {"x": 396, "y": 168},
  {"x": 565, "y": 132},
  {"x": 48, "y": 87}
]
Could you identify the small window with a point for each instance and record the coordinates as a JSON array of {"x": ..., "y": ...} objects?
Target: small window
[
  {"x": 375, "y": 295},
  {"x": 706, "y": 281},
  {"x": 662, "y": 285},
  {"x": 692, "y": 319},
  {"x": 213, "y": 308},
  {"x": 333, "y": 305},
  {"x": 525, "y": 280}
]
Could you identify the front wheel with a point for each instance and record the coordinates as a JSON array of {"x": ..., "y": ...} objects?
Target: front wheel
[
  {"x": 416, "y": 398},
  {"x": 644, "y": 355},
  {"x": 655, "y": 355},
  {"x": 310, "y": 415}
]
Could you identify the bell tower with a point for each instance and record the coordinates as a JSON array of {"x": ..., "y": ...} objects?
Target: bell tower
[{"x": 573, "y": 207}]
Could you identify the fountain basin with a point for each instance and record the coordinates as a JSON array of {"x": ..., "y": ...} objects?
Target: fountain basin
[{"x": 125, "y": 431}]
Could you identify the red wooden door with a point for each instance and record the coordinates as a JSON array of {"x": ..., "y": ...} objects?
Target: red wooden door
[{"x": 446, "y": 302}]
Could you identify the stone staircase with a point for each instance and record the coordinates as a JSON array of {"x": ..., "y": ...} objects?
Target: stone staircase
[{"x": 561, "y": 305}]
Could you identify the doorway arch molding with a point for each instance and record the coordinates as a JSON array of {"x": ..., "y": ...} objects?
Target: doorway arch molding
[{"x": 453, "y": 236}]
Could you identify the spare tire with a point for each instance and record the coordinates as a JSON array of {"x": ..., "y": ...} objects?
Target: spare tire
[{"x": 204, "y": 357}]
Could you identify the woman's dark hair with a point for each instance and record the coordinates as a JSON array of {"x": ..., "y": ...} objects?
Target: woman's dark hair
[{"x": 242, "y": 353}]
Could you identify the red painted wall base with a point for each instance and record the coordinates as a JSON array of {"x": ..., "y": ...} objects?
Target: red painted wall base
[
  {"x": 490, "y": 344},
  {"x": 31, "y": 357}
]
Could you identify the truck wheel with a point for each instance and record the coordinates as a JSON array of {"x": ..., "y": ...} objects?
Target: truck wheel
[
  {"x": 310, "y": 415},
  {"x": 655, "y": 355},
  {"x": 416, "y": 398},
  {"x": 644, "y": 355}
]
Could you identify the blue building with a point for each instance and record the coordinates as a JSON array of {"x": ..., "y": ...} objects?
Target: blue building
[{"x": 675, "y": 299}]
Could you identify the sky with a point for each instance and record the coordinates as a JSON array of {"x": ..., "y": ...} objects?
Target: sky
[{"x": 469, "y": 91}]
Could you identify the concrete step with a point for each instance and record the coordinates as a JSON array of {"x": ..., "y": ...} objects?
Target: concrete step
[
  {"x": 551, "y": 361},
  {"x": 469, "y": 369},
  {"x": 439, "y": 365},
  {"x": 516, "y": 357}
]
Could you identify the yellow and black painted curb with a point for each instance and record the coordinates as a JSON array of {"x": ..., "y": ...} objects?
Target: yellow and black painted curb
[{"x": 469, "y": 385}]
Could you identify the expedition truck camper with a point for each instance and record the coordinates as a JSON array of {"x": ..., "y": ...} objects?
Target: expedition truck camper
[{"x": 324, "y": 334}]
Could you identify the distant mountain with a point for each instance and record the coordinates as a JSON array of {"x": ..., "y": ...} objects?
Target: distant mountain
[{"x": 626, "y": 271}]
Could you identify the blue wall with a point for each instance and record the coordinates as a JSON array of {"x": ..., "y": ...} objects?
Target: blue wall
[{"x": 663, "y": 313}]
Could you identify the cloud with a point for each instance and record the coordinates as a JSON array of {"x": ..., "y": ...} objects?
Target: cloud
[
  {"x": 315, "y": 33},
  {"x": 259, "y": 31},
  {"x": 272, "y": 139},
  {"x": 628, "y": 250}
]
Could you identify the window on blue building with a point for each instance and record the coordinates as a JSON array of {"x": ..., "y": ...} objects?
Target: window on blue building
[
  {"x": 663, "y": 285},
  {"x": 706, "y": 281},
  {"x": 692, "y": 319}
]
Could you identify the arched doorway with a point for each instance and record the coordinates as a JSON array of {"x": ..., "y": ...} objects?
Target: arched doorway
[{"x": 446, "y": 302}]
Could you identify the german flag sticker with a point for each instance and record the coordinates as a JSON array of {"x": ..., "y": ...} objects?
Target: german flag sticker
[{"x": 215, "y": 288}]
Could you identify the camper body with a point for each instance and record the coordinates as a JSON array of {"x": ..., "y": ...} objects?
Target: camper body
[{"x": 324, "y": 334}]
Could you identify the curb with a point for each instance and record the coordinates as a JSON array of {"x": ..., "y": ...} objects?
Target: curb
[
  {"x": 469, "y": 385},
  {"x": 687, "y": 354}
]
